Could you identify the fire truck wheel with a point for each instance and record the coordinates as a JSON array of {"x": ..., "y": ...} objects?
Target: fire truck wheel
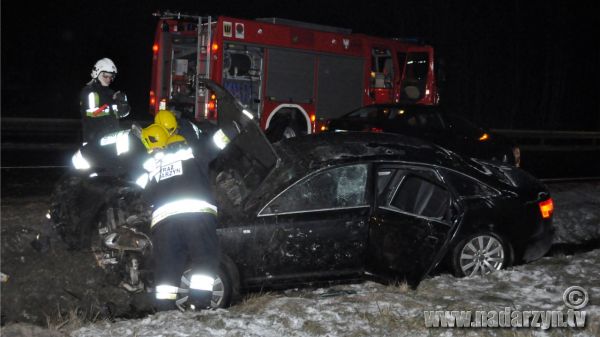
[
  {"x": 290, "y": 131},
  {"x": 283, "y": 128}
]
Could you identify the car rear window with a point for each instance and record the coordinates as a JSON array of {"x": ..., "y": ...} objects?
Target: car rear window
[
  {"x": 466, "y": 186},
  {"x": 340, "y": 187}
]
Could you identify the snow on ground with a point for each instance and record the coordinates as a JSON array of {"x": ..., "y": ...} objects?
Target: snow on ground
[{"x": 373, "y": 309}]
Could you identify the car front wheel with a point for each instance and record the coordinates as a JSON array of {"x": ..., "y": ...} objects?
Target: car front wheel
[
  {"x": 481, "y": 254},
  {"x": 221, "y": 293}
]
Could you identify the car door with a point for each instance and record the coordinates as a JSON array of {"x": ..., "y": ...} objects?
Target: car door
[
  {"x": 414, "y": 217},
  {"x": 317, "y": 228}
]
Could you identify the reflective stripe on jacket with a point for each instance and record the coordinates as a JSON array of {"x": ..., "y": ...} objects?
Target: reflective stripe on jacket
[{"x": 182, "y": 206}]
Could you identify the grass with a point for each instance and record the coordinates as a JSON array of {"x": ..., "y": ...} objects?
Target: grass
[
  {"x": 71, "y": 320},
  {"x": 253, "y": 303}
]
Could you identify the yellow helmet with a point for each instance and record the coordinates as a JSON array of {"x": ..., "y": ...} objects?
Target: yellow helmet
[
  {"x": 167, "y": 119},
  {"x": 154, "y": 137},
  {"x": 175, "y": 139}
]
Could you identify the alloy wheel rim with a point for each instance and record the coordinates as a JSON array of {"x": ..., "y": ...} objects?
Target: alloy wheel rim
[
  {"x": 482, "y": 255},
  {"x": 218, "y": 292}
]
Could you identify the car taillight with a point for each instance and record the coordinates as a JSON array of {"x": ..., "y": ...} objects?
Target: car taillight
[
  {"x": 546, "y": 208},
  {"x": 321, "y": 125},
  {"x": 374, "y": 129}
]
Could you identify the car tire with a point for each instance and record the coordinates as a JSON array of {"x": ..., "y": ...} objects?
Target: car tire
[
  {"x": 480, "y": 254},
  {"x": 283, "y": 128},
  {"x": 223, "y": 289}
]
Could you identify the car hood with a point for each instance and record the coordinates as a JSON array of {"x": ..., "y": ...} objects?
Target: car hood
[{"x": 247, "y": 160}]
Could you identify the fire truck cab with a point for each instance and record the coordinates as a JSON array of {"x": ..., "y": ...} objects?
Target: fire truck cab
[{"x": 291, "y": 75}]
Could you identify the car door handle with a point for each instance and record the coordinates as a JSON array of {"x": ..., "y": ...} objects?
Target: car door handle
[{"x": 432, "y": 239}]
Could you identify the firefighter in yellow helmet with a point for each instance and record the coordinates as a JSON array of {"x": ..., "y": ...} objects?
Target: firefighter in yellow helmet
[
  {"x": 184, "y": 221},
  {"x": 154, "y": 137},
  {"x": 167, "y": 119},
  {"x": 198, "y": 135}
]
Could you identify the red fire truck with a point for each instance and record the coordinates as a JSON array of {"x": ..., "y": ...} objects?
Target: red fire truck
[{"x": 292, "y": 75}]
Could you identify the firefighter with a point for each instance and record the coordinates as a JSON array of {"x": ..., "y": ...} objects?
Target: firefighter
[
  {"x": 101, "y": 106},
  {"x": 183, "y": 225},
  {"x": 199, "y": 138}
]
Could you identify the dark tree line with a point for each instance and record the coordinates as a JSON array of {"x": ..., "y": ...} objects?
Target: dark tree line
[{"x": 519, "y": 65}]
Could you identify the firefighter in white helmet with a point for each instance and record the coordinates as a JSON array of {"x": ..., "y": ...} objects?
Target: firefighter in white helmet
[
  {"x": 184, "y": 219},
  {"x": 101, "y": 106}
]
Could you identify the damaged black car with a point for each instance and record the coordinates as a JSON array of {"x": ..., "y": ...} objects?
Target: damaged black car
[
  {"x": 347, "y": 205},
  {"x": 337, "y": 206}
]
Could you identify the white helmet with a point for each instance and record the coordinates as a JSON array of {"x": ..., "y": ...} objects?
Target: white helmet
[{"x": 104, "y": 64}]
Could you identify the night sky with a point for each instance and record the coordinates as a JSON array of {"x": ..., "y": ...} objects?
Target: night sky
[{"x": 507, "y": 64}]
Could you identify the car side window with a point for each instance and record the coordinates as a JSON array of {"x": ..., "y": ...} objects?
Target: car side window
[
  {"x": 420, "y": 196},
  {"x": 467, "y": 187},
  {"x": 340, "y": 187}
]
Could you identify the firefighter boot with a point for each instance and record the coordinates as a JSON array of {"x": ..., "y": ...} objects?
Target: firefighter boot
[{"x": 164, "y": 305}]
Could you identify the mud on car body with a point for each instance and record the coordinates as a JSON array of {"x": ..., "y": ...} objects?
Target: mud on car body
[{"x": 349, "y": 204}]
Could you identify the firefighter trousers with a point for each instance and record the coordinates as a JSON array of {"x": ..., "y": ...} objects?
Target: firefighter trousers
[{"x": 184, "y": 241}]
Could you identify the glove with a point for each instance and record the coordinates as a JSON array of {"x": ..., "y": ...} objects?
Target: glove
[
  {"x": 136, "y": 130},
  {"x": 123, "y": 107}
]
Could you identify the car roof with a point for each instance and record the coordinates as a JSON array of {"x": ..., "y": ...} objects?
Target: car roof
[{"x": 326, "y": 149}]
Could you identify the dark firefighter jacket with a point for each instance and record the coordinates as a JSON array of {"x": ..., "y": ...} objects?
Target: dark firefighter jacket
[
  {"x": 176, "y": 183},
  {"x": 115, "y": 154},
  {"x": 99, "y": 111}
]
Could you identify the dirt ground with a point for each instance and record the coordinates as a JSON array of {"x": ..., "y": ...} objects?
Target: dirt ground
[{"x": 46, "y": 281}]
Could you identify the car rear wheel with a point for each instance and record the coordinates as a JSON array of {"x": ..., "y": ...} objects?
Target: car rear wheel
[{"x": 481, "y": 254}]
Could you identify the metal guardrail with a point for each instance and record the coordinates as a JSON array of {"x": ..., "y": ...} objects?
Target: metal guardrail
[
  {"x": 44, "y": 133},
  {"x": 548, "y": 140},
  {"x": 54, "y": 133}
]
